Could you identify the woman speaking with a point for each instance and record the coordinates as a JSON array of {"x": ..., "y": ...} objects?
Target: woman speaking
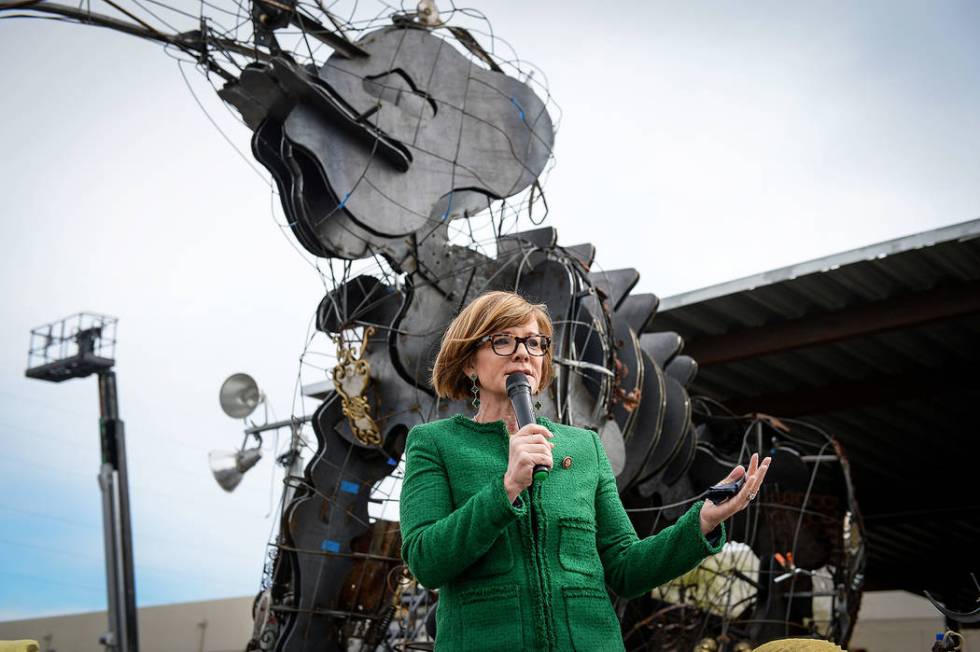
[{"x": 524, "y": 565}]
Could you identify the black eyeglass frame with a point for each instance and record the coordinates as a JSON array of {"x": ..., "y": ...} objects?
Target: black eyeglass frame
[{"x": 545, "y": 341}]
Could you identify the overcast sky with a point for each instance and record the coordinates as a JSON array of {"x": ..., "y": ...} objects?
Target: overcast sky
[{"x": 699, "y": 142}]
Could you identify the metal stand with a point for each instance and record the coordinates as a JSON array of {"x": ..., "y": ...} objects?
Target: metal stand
[
  {"x": 292, "y": 460},
  {"x": 77, "y": 347},
  {"x": 122, "y": 635}
]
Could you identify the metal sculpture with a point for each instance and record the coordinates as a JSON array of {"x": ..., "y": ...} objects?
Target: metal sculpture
[
  {"x": 398, "y": 148},
  {"x": 426, "y": 137}
]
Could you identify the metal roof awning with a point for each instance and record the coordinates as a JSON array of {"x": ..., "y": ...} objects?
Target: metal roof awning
[{"x": 880, "y": 346}]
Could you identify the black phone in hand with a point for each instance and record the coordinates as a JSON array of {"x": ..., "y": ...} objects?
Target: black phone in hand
[{"x": 721, "y": 492}]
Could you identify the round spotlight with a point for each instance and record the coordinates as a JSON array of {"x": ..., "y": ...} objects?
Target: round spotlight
[
  {"x": 228, "y": 467},
  {"x": 240, "y": 395}
]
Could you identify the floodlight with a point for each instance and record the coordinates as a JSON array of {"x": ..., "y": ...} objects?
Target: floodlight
[
  {"x": 228, "y": 467},
  {"x": 240, "y": 395}
]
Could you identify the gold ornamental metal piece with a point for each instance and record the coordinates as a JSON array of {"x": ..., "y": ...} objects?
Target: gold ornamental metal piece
[
  {"x": 351, "y": 378},
  {"x": 707, "y": 645}
]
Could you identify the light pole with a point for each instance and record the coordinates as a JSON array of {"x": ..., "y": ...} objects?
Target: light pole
[{"x": 77, "y": 347}]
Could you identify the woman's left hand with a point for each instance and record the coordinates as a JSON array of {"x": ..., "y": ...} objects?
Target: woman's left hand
[{"x": 712, "y": 515}]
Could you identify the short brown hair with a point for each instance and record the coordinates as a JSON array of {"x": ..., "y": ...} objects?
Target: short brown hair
[{"x": 489, "y": 313}]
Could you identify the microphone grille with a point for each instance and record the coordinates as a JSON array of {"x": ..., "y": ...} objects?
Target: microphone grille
[{"x": 515, "y": 381}]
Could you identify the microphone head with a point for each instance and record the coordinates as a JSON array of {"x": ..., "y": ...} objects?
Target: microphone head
[{"x": 517, "y": 382}]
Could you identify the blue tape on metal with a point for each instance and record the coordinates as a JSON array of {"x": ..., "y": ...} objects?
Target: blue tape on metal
[
  {"x": 392, "y": 461},
  {"x": 330, "y": 546},
  {"x": 520, "y": 109},
  {"x": 349, "y": 487},
  {"x": 449, "y": 207}
]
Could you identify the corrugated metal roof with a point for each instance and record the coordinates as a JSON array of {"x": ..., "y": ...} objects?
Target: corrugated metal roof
[
  {"x": 875, "y": 281},
  {"x": 881, "y": 346}
]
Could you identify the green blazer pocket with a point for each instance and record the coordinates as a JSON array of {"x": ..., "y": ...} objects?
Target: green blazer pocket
[
  {"x": 590, "y": 618},
  {"x": 490, "y": 619},
  {"x": 577, "y": 546}
]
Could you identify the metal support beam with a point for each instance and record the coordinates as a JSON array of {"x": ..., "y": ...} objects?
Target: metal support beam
[
  {"x": 860, "y": 321},
  {"x": 812, "y": 401},
  {"x": 120, "y": 581},
  {"x": 275, "y": 425}
]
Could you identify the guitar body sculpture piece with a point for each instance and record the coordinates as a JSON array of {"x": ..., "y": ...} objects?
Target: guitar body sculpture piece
[
  {"x": 426, "y": 134},
  {"x": 472, "y": 133}
]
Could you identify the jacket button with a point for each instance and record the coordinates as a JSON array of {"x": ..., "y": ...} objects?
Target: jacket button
[{"x": 567, "y": 462}]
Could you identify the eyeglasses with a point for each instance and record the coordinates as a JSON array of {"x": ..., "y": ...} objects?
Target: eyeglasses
[{"x": 503, "y": 344}]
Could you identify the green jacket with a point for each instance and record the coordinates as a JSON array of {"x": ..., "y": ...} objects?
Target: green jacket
[{"x": 530, "y": 577}]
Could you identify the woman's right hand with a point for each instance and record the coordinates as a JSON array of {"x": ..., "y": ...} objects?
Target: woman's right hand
[{"x": 529, "y": 446}]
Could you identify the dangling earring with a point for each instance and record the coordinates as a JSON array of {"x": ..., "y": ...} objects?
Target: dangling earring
[
  {"x": 537, "y": 405},
  {"x": 475, "y": 389}
]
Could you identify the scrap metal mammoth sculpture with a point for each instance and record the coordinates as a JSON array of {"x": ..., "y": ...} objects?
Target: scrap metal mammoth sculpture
[{"x": 376, "y": 155}]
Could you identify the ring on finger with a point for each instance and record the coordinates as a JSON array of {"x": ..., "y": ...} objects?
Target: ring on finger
[{"x": 751, "y": 496}]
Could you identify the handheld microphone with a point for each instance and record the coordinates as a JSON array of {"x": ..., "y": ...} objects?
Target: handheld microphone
[{"x": 519, "y": 393}]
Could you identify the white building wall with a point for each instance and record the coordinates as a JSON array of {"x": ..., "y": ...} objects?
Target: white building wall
[
  {"x": 890, "y": 621},
  {"x": 896, "y": 621},
  {"x": 210, "y": 626}
]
